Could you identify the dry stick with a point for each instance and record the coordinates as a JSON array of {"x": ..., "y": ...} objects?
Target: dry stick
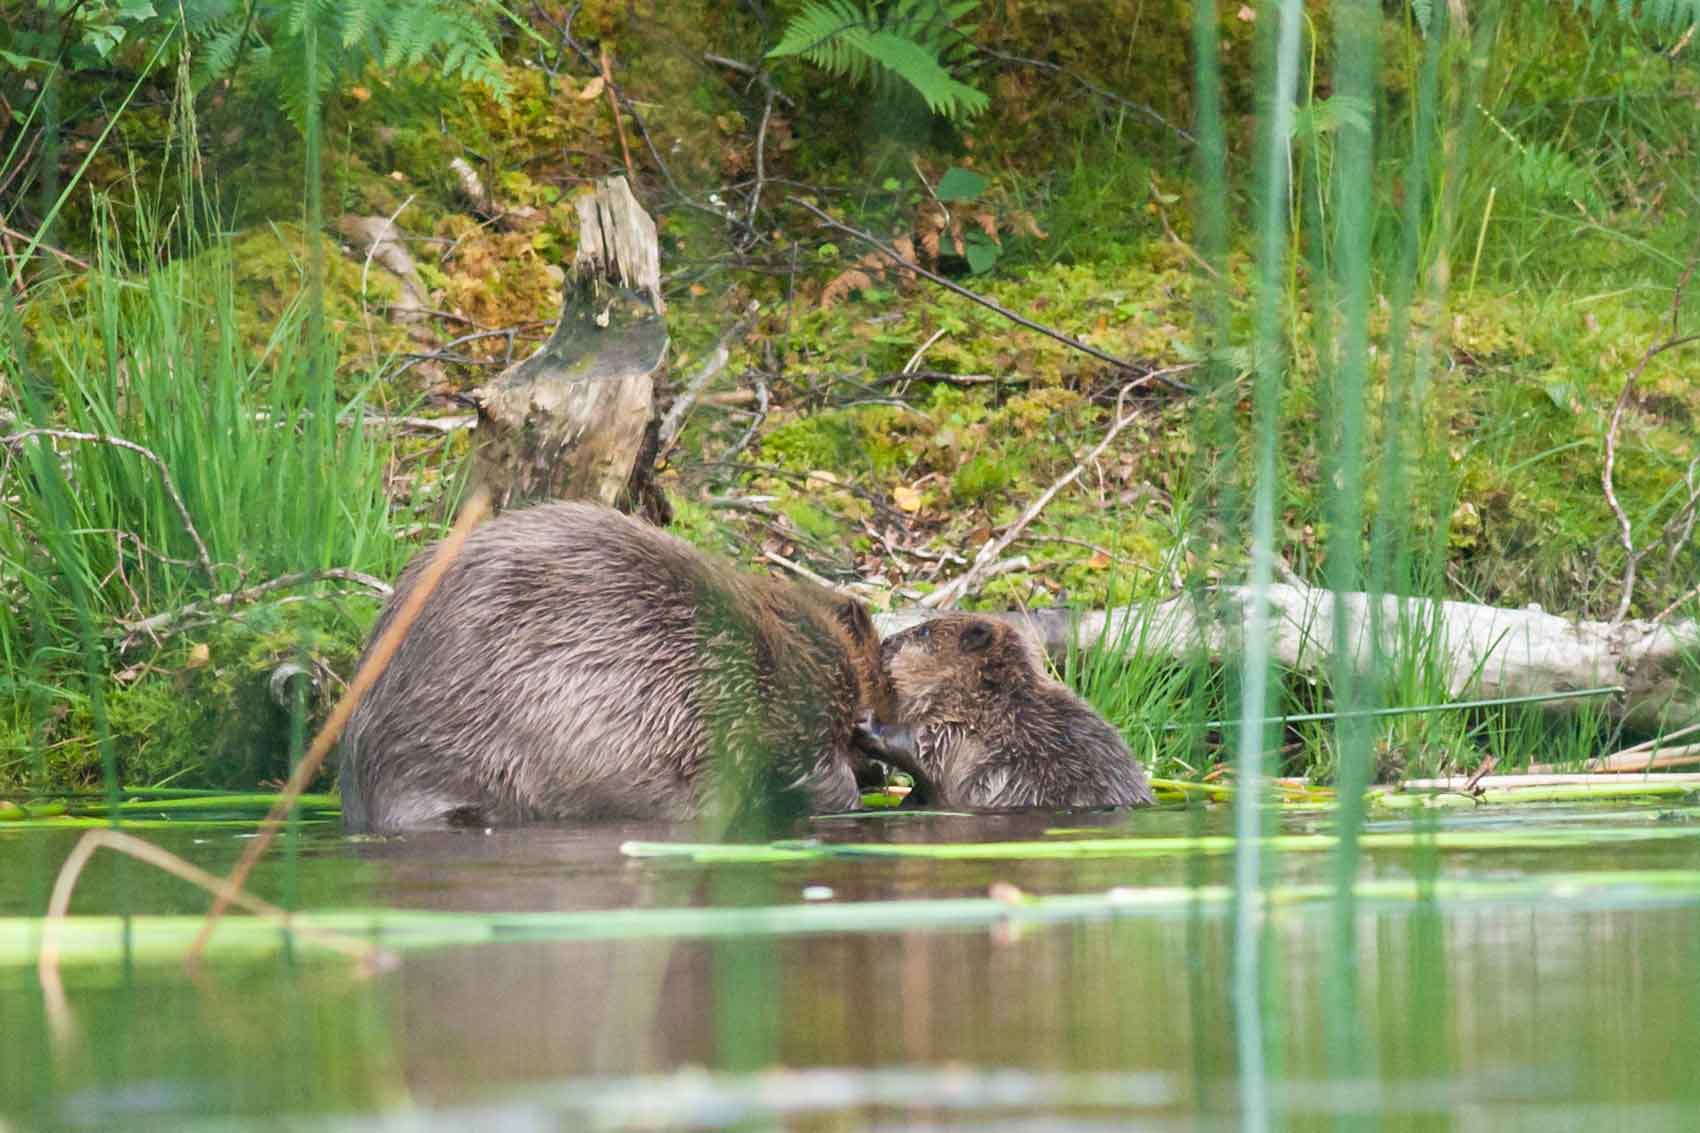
[
  {"x": 1643, "y": 756},
  {"x": 1512, "y": 782},
  {"x": 388, "y": 231},
  {"x": 9, "y": 231},
  {"x": 58, "y": 907},
  {"x": 1671, "y": 609},
  {"x": 1101, "y": 92},
  {"x": 614, "y": 109},
  {"x": 674, "y": 423},
  {"x": 991, "y": 305},
  {"x": 1191, "y": 253},
  {"x": 981, "y": 569},
  {"x": 804, "y": 572},
  {"x": 1682, "y": 755},
  {"x": 1625, "y": 533},
  {"x": 761, "y": 159},
  {"x": 13, "y": 440},
  {"x": 376, "y": 661},
  {"x": 756, "y": 420},
  {"x": 158, "y": 622}
]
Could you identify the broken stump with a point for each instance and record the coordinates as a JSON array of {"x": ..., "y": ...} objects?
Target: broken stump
[{"x": 576, "y": 419}]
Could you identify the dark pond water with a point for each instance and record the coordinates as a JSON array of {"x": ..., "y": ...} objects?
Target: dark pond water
[{"x": 1565, "y": 1006}]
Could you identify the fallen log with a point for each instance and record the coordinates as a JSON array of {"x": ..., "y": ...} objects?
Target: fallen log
[{"x": 1485, "y": 651}]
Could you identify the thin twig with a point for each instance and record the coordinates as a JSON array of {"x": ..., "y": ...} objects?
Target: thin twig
[
  {"x": 1656, "y": 742},
  {"x": 756, "y": 421},
  {"x": 376, "y": 662},
  {"x": 13, "y": 440},
  {"x": 7, "y": 230},
  {"x": 980, "y": 570},
  {"x": 991, "y": 305},
  {"x": 1625, "y": 533},
  {"x": 1190, "y": 251},
  {"x": 761, "y": 154},
  {"x": 388, "y": 232},
  {"x": 1107, "y": 95},
  {"x": 674, "y": 423},
  {"x": 443, "y": 352},
  {"x": 614, "y": 109},
  {"x": 372, "y": 957},
  {"x": 1518, "y": 780},
  {"x": 1031, "y": 537},
  {"x": 1688, "y": 596},
  {"x": 802, "y": 571},
  {"x": 745, "y": 69},
  {"x": 946, "y": 378},
  {"x": 158, "y": 623}
]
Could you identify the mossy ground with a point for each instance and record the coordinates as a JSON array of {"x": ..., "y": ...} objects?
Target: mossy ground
[{"x": 1561, "y": 263}]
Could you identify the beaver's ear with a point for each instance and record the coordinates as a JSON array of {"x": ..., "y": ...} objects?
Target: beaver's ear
[
  {"x": 977, "y": 637},
  {"x": 853, "y": 616}
]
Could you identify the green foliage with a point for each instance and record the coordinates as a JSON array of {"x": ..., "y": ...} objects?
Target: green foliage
[
  {"x": 81, "y": 36},
  {"x": 982, "y": 478},
  {"x": 1667, "y": 16},
  {"x": 350, "y": 34},
  {"x": 898, "y": 41},
  {"x": 269, "y": 35},
  {"x": 246, "y": 451}
]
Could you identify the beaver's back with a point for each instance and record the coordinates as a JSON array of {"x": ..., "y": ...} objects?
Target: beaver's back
[{"x": 571, "y": 663}]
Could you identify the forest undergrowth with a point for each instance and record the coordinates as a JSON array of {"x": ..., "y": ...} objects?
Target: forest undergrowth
[{"x": 228, "y": 421}]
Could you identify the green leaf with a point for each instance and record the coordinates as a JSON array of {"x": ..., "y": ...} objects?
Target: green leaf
[
  {"x": 959, "y": 184},
  {"x": 982, "y": 253}
]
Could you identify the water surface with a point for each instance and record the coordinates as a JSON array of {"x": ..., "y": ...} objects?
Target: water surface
[{"x": 1574, "y": 1009}]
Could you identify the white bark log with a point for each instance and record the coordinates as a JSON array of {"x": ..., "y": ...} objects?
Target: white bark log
[{"x": 1483, "y": 650}]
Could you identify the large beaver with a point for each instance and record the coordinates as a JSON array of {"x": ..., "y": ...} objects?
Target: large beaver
[
  {"x": 575, "y": 662},
  {"x": 989, "y": 728}
]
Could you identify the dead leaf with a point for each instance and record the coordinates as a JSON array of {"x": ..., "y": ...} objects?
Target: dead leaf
[
  {"x": 842, "y": 285},
  {"x": 908, "y": 499},
  {"x": 1022, "y": 221},
  {"x": 591, "y": 90},
  {"x": 198, "y": 657}
]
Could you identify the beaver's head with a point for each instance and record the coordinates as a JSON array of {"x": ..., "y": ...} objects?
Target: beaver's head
[{"x": 958, "y": 660}]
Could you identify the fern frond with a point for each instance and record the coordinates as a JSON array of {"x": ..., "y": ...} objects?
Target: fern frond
[
  {"x": 902, "y": 42},
  {"x": 816, "y": 29},
  {"x": 216, "y": 51},
  {"x": 359, "y": 19},
  {"x": 921, "y": 69}
]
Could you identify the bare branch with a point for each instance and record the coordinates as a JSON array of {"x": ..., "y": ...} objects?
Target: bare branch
[
  {"x": 991, "y": 305},
  {"x": 160, "y": 623},
  {"x": 674, "y": 423},
  {"x": 981, "y": 569},
  {"x": 14, "y": 440}
]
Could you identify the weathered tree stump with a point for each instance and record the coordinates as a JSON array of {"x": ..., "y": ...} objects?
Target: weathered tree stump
[{"x": 576, "y": 419}]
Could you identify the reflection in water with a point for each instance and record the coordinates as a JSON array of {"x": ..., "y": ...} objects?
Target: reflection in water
[{"x": 1484, "y": 1017}]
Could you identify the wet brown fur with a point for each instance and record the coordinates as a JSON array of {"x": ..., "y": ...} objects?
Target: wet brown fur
[
  {"x": 577, "y": 663},
  {"x": 991, "y": 729}
]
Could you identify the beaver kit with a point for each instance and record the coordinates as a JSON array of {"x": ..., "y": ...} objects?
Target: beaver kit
[
  {"x": 574, "y": 662},
  {"x": 987, "y": 727}
]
